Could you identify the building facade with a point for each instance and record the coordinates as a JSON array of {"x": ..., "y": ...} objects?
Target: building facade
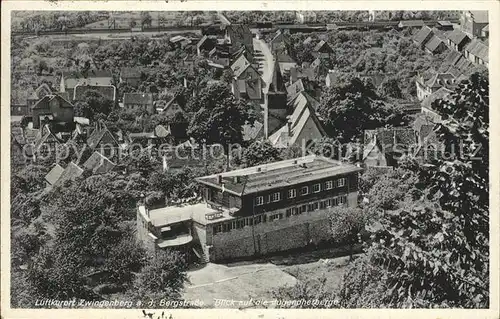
[{"x": 258, "y": 210}]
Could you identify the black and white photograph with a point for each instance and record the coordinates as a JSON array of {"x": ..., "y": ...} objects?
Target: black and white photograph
[{"x": 224, "y": 159}]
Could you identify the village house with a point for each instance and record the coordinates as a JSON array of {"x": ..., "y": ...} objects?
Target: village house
[
  {"x": 130, "y": 76},
  {"x": 473, "y": 22},
  {"x": 305, "y": 72},
  {"x": 280, "y": 41},
  {"x": 477, "y": 52},
  {"x": 456, "y": 64},
  {"x": 457, "y": 40},
  {"x": 69, "y": 80},
  {"x": 180, "y": 42},
  {"x": 285, "y": 62},
  {"x": 98, "y": 164},
  {"x": 248, "y": 212},
  {"x": 322, "y": 49},
  {"x": 429, "y": 82},
  {"x": 247, "y": 82},
  {"x": 139, "y": 102},
  {"x": 435, "y": 45},
  {"x": 52, "y": 108},
  {"x": 302, "y": 126},
  {"x": 444, "y": 25},
  {"x": 423, "y": 36},
  {"x": 206, "y": 44},
  {"x": 411, "y": 24},
  {"x": 104, "y": 141},
  {"x": 238, "y": 36},
  {"x": 220, "y": 55},
  {"x": 426, "y": 104}
]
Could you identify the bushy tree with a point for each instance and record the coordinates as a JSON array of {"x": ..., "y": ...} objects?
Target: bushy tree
[
  {"x": 346, "y": 223},
  {"x": 260, "y": 152}
]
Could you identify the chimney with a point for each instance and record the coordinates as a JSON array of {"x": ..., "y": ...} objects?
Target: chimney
[
  {"x": 259, "y": 169},
  {"x": 185, "y": 83},
  {"x": 236, "y": 179},
  {"x": 219, "y": 179}
]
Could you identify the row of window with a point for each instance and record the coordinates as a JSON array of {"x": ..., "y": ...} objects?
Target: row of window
[
  {"x": 262, "y": 218},
  {"x": 292, "y": 193}
]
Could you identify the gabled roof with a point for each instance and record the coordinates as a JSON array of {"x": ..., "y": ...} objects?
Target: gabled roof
[
  {"x": 138, "y": 98},
  {"x": 322, "y": 44},
  {"x": 440, "y": 79},
  {"x": 240, "y": 65},
  {"x": 71, "y": 172},
  {"x": 54, "y": 174},
  {"x": 457, "y": 36},
  {"x": 295, "y": 88},
  {"x": 98, "y": 163},
  {"x": 92, "y": 77},
  {"x": 97, "y": 135},
  {"x": 43, "y": 103},
  {"x": 486, "y": 28},
  {"x": 423, "y": 35},
  {"x": 433, "y": 44},
  {"x": 478, "y": 48},
  {"x": 43, "y": 90},
  {"x": 107, "y": 91},
  {"x": 307, "y": 40},
  {"x": 301, "y": 99}
]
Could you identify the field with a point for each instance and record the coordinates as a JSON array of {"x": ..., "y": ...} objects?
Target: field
[{"x": 170, "y": 18}]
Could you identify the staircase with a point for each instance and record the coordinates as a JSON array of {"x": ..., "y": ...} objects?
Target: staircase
[{"x": 202, "y": 257}]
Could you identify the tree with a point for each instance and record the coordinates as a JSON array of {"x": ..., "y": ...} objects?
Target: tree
[
  {"x": 132, "y": 24},
  {"x": 42, "y": 66},
  {"x": 435, "y": 252},
  {"x": 219, "y": 117},
  {"x": 92, "y": 104},
  {"x": 351, "y": 106},
  {"x": 260, "y": 152},
  {"x": 162, "y": 277},
  {"x": 346, "y": 223},
  {"x": 390, "y": 88}
]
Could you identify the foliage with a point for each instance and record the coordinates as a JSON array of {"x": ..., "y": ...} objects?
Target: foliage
[
  {"x": 93, "y": 103},
  {"x": 389, "y": 88},
  {"x": 260, "y": 152},
  {"x": 312, "y": 294},
  {"x": 162, "y": 277},
  {"x": 346, "y": 223},
  {"x": 219, "y": 117},
  {"x": 351, "y": 106}
]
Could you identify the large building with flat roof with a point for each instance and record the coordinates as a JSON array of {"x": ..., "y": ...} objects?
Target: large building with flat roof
[{"x": 255, "y": 211}]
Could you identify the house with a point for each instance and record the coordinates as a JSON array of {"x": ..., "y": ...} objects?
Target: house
[
  {"x": 306, "y": 16},
  {"x": 435, "y": 45},
  {"x": 322, "y": 49},
  {"x": 139, "y": 102},
  {"x": 303, "y": 72},
  {"x": 303, "y": 85},
  {"x": 248, "y": 212},
  {"x": 457, "y": 40},
  {"x": 247, "y": 82},
  {"x": 130, "y": 76},
  {"x": 280, "y": 41},
  {"x": 423, "y": 36},
  {"x": 477, "y": 52},
  {"x": 69, "y": 80},
  {"x": 206, "y": 44},
  {"x": 45, "y": 146},
  {"x": 387, "y": 146},
  {"x": 220, "y": 55},
  {"x": 52, "y": 108},
  {"x": 473, "y": 22},
  {"x": 429, "y": 82},
  {"x": 302, "y": 126},
  {"x": 285, "y": 62},
  {"x": 106, "y": 91},
  {"x": 239, "y": 35},
  {"x": 276, "y": 108},
  {"x": 456, "y": 64},
  {"x": 444, "y": 25},
  {"x": 411, "y": 24},
  {"x": 172, "y": 106},
  {"x": 426, "y": 104},
  {"x": 70, "y": 173},
  {"x": 53, "y": 175},
  {"x": 180, "y": 41},
  {"x": 103, "y": 140}
]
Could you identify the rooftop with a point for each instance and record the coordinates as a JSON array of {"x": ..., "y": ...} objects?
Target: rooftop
[
  {"x": 278, "y": 174},
  {"x": 175, "y": 214}
]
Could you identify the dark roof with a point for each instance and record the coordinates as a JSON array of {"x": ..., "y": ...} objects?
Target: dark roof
[
  {"x": 98, "y": 163},
  {"x": 43, "y": 103},
  {"x": 277, "y": 84},
  {"x": 445, "y": 23},
  {"x": 54, "y": 174},
  {"x": 422, "y": 35},
  {"x": 433, "y": 44},
  {"x": 130, "y": 73},
  {"x": 138, "y": 98},
  {"x": 478, "y": 48},
  {"x": 279, "y": 174},
  {"x": 97, "y": 135},
  {"x": 321, "y": 44},
  {"x": 457, "y": 36},
  {"x": 107, "y": 91},
  {"x": 240, "y": 34}
]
